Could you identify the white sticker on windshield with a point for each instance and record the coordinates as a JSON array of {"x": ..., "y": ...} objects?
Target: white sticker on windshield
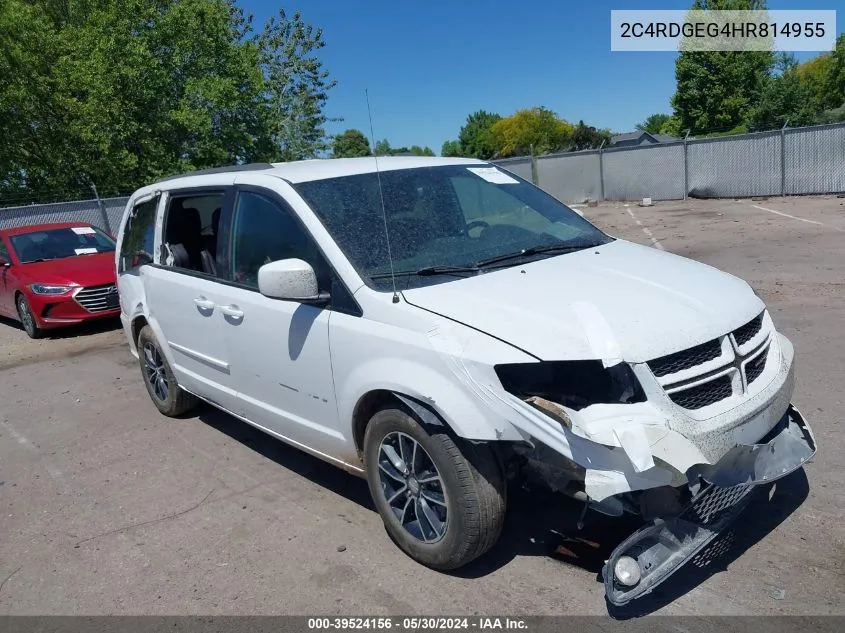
[
  {"x": 494, "y": 175},
  {"x": 84, "y": 251},
  {"x": 83, "y": 230}
]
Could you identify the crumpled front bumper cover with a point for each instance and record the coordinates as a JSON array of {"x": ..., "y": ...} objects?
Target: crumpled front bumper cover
[{"x": 666, "y": 544}]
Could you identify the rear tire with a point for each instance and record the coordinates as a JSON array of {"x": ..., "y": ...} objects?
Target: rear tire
[
  {"x": 463, "y": 510},
  {"x": 26, "y": 317},
  {"x": 166, "y": 394}
]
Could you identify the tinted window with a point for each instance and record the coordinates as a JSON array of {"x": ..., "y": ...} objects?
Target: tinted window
[
  {"x": 48, "y": 244},
  {"x": 442, "y": 216},
  {"x": 139, "y": 236},
  {"x": 4, "y": 252},
  {"x": 265, "y": 232}
]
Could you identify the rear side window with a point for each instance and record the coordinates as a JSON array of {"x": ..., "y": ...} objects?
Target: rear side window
[
  {"x": 191, "y": 230},
  {"x": 4, "y": 252},
  {"x": 139, "y": 236}
]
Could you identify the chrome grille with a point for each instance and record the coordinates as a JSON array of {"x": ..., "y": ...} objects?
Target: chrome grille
[
  {"x": 748, "y": 331},
  {"x": 685, "y": 359},
  {"x": 755, "y": 367},
  {"x": 704, "y": 394},
  {"x": 98, "y": 298}
]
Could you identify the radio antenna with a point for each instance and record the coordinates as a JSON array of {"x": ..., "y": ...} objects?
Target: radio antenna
[{"x": 381, "y": 196}]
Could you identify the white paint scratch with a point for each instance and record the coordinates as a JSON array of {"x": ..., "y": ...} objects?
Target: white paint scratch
[
  {"x": 655, "y": 242},
  {"x": 794, "y": 217}
]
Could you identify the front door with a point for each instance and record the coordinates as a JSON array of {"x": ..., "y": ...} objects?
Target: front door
[
  {"x": 279, "y": 350},
  {"x": 7, "y": 281}
]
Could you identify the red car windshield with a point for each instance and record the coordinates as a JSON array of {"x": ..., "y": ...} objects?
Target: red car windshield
[{"x": 47, "y": 244}]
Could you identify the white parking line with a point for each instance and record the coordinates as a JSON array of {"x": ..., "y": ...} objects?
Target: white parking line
[
  {"x": 646, "y": 230},
  {"x": 21, "y": 439},
  {"x": 786, "y": 215}
]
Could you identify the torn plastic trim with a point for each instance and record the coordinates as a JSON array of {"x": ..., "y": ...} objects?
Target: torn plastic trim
[
  {"x": 420, "y": 410},
  {"x": 666, "y": 544},
  {"x": 787, "y": 447}
]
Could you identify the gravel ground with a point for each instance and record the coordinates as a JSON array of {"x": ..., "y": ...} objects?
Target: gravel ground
[{"x": 107, "y": 507}]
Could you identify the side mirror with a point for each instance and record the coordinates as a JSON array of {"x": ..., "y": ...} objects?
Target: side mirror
[{"x": 290, "y": 279}]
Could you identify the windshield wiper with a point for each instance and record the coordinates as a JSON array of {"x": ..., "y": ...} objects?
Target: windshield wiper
[
  {"x": 534, "y": 250},
  {"x": 428, "y": 271}
]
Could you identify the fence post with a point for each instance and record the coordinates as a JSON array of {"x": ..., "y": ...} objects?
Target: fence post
[
  {"x": 534, "y": 174},
  {"x": 783, "y": 158},
  {"x": 601, "y": 170},
  {"x": 103, "y": 213},
  {"x": 686, "y": 166}
]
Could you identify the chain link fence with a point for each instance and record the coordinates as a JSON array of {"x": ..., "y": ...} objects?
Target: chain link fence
[
  {"x": 105, "y": 213},
  {"x": 795, "y": 161}
]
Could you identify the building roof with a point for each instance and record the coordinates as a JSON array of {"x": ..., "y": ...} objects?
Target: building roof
[{"x": 635, "y": 136}]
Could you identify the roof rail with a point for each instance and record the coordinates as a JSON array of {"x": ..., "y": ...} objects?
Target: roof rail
[{"x": 220, "y": 170}]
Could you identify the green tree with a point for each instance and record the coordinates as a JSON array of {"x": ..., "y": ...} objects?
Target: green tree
[
  {"x": 350, "y": 144},
  {"x": 785, "y": 99},
  {"x": 716, "y": 90},
  {"x": 296, "y": 87},
  {"x": 121, "y": 92},
  {"x": 475, "y": 136},
  {"x": 654, "y": 123},
  {"x": 451, "y": 148},
  {"x": 537, "y": 128},
  {"x": 587, "y": 137},
  {"x": 383, "y": 148},
  {"x": 416, "y": 150}
]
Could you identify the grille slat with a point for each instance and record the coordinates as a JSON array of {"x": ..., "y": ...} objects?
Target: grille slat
[
  {"x": 748, "y": 331},
  {"x": 685, "y": 359},
  {"x": 704, "y": 394},
  {"x": 715, "y": 503},
  {"x": 755, "y": 367},
  {"x": 98, "y": 298}
]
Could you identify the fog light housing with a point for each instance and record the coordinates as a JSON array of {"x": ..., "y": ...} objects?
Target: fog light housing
[{"x": 627, "y": 571}]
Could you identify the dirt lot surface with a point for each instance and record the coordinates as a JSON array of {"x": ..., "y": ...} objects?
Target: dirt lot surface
[{"x": 107, "y": 507}]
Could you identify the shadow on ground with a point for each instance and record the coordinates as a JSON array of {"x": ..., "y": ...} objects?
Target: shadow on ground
[
  {"x": 542, "y": 523},
  {"x": 72, "y": 331}
]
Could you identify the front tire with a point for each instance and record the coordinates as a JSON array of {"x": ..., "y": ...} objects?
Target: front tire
[
  {"x": 27, "y": 318},
  {"x": 443, "y": 505},
  {"x": 166, "y": 394}
]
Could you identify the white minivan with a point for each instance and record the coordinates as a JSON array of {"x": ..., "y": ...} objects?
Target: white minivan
[{"x": 439, "y": 326}]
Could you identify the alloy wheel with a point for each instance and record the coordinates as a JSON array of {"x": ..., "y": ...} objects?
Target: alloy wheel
[
  {"x": 155, "y": 372},
  {"x": 412, "y": 487}
]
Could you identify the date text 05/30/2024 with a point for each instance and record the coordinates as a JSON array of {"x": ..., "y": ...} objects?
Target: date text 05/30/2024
[{"x": 416, "y": 623}]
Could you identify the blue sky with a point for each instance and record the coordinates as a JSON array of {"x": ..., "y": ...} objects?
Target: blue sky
[{"x": 428, "y": 64}]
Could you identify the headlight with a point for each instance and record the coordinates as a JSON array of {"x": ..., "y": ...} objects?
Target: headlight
[
  {"x": 47, "y": 289},
  {"x": 575, "y": 384}
]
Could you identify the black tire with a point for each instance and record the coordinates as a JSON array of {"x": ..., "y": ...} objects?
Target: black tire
[
  {"x": 26, "y": 318},
  {"x": 175, "y": 401},
  {"x": 471, "y": 480}
]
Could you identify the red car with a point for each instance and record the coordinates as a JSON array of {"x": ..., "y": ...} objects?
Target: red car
[{"x": 55, "y": 275}]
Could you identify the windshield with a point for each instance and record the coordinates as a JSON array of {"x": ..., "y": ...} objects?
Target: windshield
[
  {"x": 459, "y": 218},
  {"x": 47, "y": 244}
]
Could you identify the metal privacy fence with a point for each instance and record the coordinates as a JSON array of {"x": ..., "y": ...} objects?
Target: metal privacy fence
[
  {"x": 105, "y": 213},
  {"x": 795, "y": 161},
  {"x": 787, "y": 162}
]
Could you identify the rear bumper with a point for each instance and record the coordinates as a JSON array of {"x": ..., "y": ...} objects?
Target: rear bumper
[{"x": 665, "y": 544}]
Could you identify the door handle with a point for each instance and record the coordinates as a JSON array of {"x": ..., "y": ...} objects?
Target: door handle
[
  {"x": 232, "y": 311},
  {"x": 203, "y": 303}
]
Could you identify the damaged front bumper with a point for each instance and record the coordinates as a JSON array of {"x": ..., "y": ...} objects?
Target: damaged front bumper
[{"x": 720, "y": 492}]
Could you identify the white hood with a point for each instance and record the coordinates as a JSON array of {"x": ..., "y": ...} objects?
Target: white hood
[{"x": 620, "y": 301}]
